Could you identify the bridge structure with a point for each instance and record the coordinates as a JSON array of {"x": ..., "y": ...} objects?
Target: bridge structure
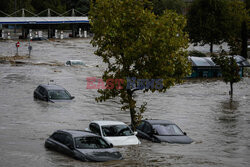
[{"x": 51, "y": 22}]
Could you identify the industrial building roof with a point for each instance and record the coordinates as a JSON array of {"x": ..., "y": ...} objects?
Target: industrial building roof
[
  {"x": 208, "y": 62},
  {"x": 43, "y": 20}
]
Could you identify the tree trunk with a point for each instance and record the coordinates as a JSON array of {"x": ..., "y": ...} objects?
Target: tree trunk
[
  {"x": 131, "y": 108},
  {"x": 231, "y": 90},
  {"x": 211, "y": 47}
]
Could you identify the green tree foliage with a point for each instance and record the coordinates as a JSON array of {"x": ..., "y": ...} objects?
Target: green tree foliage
[
  {"x": 55, "y": 5},
  {"x": 206, "y": 22},
  {"x": 9, "y": 6},
  {"x": 160, "y": 5},
  {"x": 236, "y": 18},
  {"x": 80, "y": 5},
  {"x": 134, "y": 42},
  {"x": 26, "y": 4},
  {"x": 4, "y": 7},
  {"x": 229, "y": 69},
  {"x": 247, "y": 3},
  {"x": 216, "y": 21}
]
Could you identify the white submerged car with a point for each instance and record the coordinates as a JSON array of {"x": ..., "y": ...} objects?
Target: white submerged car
[{"x": 115, "y": 132}]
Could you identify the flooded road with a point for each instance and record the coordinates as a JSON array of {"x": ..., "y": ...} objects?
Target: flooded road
[{"x": 219, "y": 126}]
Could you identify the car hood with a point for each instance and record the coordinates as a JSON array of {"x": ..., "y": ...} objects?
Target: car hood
[
  {"x": 123, "y": 140},
  {"x": 100, "y": 155},
  {"x": 175, "y": 139}
]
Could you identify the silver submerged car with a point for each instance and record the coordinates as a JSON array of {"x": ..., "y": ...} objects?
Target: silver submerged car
[
  {"x": 162, "y": 131},
  {"x": 82, "y": 145},
  {"x": 52, "y": 93}
]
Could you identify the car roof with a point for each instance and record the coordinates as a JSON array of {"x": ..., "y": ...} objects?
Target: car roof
[
  {"x": 77, "y": 133},
  {"x": 158, "y": 121},
  {"x": 103, "y": 123},
  {"x": 52, "y": 87}
]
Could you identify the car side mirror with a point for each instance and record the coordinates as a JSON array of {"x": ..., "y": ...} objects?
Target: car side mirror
[
  {"x": 135, "y": 132},
  {"x": 154, "y": 132},
  {"x": 185, "y": 133},
  {"x": 111, "y": 145},
  {"x": 72, "y": 97}
]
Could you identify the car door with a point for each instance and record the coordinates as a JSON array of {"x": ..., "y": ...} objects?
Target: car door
[
  {"x": 139, "y": 129},
  {"x": 63, "y": 143},
  {"x": 52, "y": 141},
  {"x": 95, "y": 128},
  {"x": 37, "y": 93},
  {"x": 56, "y": 141},
  {"x": 68, "y": 145},
  {"x": 146, "y": 131},
  {"x": 43, "y": 94}
]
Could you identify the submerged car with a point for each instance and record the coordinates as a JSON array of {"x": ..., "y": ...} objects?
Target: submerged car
[
  {"x": 82, "y": 145},
  {"x": 74, "y": 63},
  {"x": 114, "y": 132},
  {"x": 52, "y": 93},
  {"x": 162, "y": 131}
]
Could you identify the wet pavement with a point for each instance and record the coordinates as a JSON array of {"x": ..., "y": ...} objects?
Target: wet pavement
[{"x": 219, "y": 126}]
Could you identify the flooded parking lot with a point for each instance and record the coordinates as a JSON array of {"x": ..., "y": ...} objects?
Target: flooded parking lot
[{"x": 219, "y": 126}]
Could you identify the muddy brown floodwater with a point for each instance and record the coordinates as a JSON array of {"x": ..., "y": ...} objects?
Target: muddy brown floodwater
[{"x": 219, "y": 127}]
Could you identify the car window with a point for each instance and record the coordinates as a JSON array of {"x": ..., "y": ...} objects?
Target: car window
[
  {"x": 95, "y": 128},
  {"x": 90, "y": 143},
  {"x": 59, "y": 95},
  {"x": 116, "y": 130},
  {"x": 168, "y": 130},
  {"x": 68, "y": 140},
  {"x": 42, "y": 91},
  {"x": 68, "y": 62},
  {"x": 58, "y": 137},
  {"x": 147, "y": 128}
]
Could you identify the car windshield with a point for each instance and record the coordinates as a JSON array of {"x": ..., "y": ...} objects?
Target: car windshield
[
  {"x": 168, "y": 130},
  {"x": 59, "y": 95},
  {"x": 116, "y": 130},
  {"x": 90, "y": 143}
]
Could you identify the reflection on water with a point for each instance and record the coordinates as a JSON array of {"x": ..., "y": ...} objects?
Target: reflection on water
[
  {"x": 229, "y": 105},
  {"x": 229, "y": 112},
  {"x": 219, "y": 127}
]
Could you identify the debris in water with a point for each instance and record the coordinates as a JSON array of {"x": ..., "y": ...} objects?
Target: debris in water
[{"x": 12, "y": 58}]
